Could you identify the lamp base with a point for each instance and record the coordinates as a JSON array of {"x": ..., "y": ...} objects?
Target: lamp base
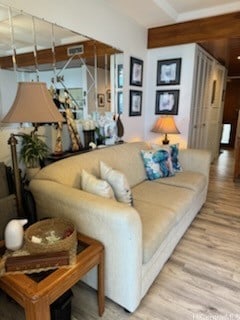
[
  {"x": 165, "y": 140},
  {"x": 12, "y": 141}
]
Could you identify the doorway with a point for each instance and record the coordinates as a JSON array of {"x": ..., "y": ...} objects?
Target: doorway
[{"x": 230, "y": 113}]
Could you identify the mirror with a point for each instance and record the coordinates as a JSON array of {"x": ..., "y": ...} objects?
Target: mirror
[{"x": 86, "y": 70}]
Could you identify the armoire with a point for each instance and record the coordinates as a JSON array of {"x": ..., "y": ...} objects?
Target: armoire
[{"x": 208, "y": 94}]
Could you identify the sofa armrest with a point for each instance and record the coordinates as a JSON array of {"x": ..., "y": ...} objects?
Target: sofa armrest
[
  {"x": 117, "y": 225},
  {"x": 195, "y": 160}
]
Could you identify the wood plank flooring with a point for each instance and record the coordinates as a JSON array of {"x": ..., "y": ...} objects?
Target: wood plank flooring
[{"x": 201, "y": 281}]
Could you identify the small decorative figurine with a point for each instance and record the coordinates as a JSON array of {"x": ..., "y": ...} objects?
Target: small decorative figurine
[{"x": 13, "y": 234}]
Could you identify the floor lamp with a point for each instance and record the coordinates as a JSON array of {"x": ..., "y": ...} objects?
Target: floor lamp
[
  {"x": 33, "y": 103},
  {"x": 165, "y": 125}
]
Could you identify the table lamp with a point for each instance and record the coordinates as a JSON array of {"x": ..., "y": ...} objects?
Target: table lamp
[
  {"x": 33, "y": 103},
  {"x": 165, "y": 125}
]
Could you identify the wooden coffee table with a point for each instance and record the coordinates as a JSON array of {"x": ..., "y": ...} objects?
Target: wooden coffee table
[{"x": 36, "y": 296}]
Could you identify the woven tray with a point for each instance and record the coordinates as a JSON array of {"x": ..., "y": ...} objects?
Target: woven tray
[{"x": 62, "y": 231}]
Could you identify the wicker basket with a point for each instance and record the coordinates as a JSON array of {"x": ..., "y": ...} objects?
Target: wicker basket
[{"x": 60, "y": 228}]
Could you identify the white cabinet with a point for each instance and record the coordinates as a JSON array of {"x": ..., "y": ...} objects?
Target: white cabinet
[
  {"x": 215, "y": 110},
  {"x": 207, "y": 103}
]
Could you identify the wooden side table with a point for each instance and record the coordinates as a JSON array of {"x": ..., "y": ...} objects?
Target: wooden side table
[
  {"x": 35, "y": 297},
  {"x": 66, "y": 154}
]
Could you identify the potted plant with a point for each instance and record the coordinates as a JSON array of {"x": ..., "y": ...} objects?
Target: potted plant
[{"x": 33, "y": 150}]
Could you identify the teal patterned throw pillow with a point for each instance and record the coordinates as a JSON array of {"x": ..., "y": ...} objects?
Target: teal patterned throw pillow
[
  {"x": 157, "y": 164},
  {"x": 174, "y": 155},
  {"x": 174, "y": 152}
]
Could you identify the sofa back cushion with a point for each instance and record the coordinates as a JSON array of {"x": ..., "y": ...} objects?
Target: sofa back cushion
[{"x": 125, "y": 157}]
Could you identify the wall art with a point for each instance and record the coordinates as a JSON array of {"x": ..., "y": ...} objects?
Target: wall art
[
  {"x": 168, "y": 72},
  {"x": 135, "y": 108},
  {"x": 136, "y": 72},
  {"x": 167, "y": 102}
]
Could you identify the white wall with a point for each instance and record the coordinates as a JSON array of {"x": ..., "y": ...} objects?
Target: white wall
[
  {"x": 8, "y": 89},
  {"x": 187, "y": 53}
]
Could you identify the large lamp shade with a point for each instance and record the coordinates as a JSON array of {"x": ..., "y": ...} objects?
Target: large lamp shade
[{"x": 33, "y": 103}]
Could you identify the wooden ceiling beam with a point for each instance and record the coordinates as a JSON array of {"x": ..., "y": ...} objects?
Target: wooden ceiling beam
[{"x": 217, "y": 27}]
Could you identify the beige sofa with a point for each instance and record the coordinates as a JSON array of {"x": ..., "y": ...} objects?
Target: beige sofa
[{"x": 138, "y": 239}]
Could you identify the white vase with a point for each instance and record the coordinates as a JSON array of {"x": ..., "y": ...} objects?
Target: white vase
[{"x": 14, "y": 233}]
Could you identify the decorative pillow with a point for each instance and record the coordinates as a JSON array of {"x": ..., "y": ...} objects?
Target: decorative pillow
[
  {"x": 96, "y": 186},
  {"x": 118, "y": 182},
  {"x": 174, "y": 155},
  {"x": 158, "y": 163},
  {"x": 174, "y": 151}
]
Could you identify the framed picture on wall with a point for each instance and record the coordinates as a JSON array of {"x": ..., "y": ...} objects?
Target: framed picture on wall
[
  {"x": 135, "y": 108},
  {"x": 120, "y": 76},
  {"x": 213, "y": 91},
  {"x": 167, "y": 102},
  {"x": 120, "y": 102},
  {"x": 101, "y": 100},
  {"x": 108, "y": 95},
  {"x": 136, "y": 72},
  {"x": 168, "y": 72}
]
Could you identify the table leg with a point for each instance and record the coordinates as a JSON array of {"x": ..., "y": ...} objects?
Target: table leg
[
  {"x": 101, "y": 294},
  {"x": 37, "y": 310}
]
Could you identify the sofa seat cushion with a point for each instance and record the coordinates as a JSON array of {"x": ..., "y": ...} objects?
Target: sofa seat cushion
[
  {"x": 188, "y": 179},
  {"x": 160, "y": 207},
  {"x": 157, "y": 221}
]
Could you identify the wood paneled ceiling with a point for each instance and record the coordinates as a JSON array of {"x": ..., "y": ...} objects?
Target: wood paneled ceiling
[
  {"x": 219, "y": 35},
  {"x": 226, "y": 51}
]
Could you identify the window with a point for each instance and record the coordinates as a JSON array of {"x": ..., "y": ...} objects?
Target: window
[{"x": 225, "y": 139}]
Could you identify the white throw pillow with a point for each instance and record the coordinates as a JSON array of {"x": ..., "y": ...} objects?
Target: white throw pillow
[
  {"x": 96, "y": 186},
  {"x": 118, "y": 182}
]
